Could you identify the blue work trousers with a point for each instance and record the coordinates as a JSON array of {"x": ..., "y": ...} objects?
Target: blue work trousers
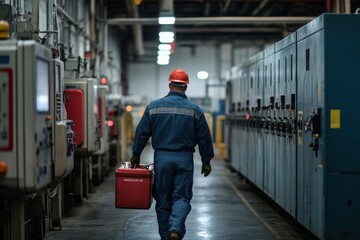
[{"x": 173, "y": 181}]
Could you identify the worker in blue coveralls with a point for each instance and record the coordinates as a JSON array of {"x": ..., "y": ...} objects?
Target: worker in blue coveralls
[{"x": 176, "y": 126}]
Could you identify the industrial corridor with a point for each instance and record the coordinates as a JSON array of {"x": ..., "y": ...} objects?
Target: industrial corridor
[
  {"x": 223, "y": 207},
  {"x": 261, "y": 90}
]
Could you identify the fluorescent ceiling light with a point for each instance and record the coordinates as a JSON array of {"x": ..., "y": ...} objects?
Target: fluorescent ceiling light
[
  {"x": 202, "y": 75},
  {"x": 166, "y": 20},
  {"x": 164, "y": 52},
  {"x": 166, "y": 34},
  {"x": 163, "y": 57},
  {"x": 162, "y": 62},
  {"x": 164, "y": 47},
  {"x": 166, "y": 40}
]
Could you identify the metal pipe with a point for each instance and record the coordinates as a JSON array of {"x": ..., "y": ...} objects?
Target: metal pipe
[
  {"x": 167, "y": 6},
  {"x": 226, "y": 6},
  {"x": 328, "y": 5},
  {"x": 35, "y": 15},
  {"x": 137, "y": 29},
  {"x": 347, "y": 6},
  {"x": 68, "y": 17},
  {"x": 20, "y": 7},
  {"x": 260, "y": 7},
  {"x": 214, "y": 20},
  {"x": 76, "y": 24}
]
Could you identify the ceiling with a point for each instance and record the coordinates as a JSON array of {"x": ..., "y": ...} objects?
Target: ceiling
[{"x": 220, "y": 30}]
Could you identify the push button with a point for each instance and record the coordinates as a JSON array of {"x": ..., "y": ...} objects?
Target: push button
[{"x": 3, "y": 168}]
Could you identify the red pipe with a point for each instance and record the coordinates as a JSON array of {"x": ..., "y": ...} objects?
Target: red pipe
[{"x": 328, "y": 5}]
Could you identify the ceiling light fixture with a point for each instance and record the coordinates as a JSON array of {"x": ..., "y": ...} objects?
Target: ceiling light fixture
[
  {"x": 166, "y": 34},
  {"x": 166, "y": 20},
  {"x": 163, "y": 46},
  {"x": 162, "y": 62},
  {"x": 202, "y": 75},
  {"x": 164, "y": 52},
  {"x": 166, "y": 40}
]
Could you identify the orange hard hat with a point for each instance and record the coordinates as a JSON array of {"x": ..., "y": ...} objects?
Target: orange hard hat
[{"x": 179, "y": 76}]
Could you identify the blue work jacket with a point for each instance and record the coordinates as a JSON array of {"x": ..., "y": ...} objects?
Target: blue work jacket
[{"x": 175, "y": 124}]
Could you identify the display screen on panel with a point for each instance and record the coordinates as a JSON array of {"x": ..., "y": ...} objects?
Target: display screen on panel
[{"x": 42, "y": 85}]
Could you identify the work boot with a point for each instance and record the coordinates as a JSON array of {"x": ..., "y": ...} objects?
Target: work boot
[{"x": 174, "y": 236}]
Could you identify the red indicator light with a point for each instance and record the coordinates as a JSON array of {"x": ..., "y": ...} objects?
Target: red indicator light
[
  {"x": 103, "y": 81},
  {"x": 3, "y": 168},
  {"x": 110, "y": 123},
  {"x": 128, "y": 108}
]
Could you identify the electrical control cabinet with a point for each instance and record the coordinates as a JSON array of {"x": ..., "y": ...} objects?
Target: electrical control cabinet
[
  {"x": 257, "y": 120},
  {"x": 285, "y": 114},
  {"x": 328, "y": 64},
  {"x": 310, "y": 168},
  {"x": 63, "y": 147},
  {"x": 308, "y": 124},
  {"x": 229, "y": 118},
  {"x": 232, "y": 108},
  {"x": 25, "y": 126},
  {"x": 268, "y": 114},
  {"x": 243, "y": 98},
  {"x": 102, "y": 113},
  {"x": 81, "y": 102}
]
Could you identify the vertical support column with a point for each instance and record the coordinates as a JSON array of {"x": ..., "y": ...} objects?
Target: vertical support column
[
  {"x": 17, "y": 210},
  {"x": 92, "y": 33},
  {"x": 125, "y": 128},
  {"x": 347, "y": 6},
  {"x": 35, "y": 18},
  {"x": 56, "y": 203},
  {"x": 50, "y": 21},
  {"x": 77, "y": 185}
]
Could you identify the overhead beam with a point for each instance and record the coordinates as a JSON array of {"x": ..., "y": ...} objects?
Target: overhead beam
[
  {"x": 229, "y": 30},
  {"x": 214, "y": 20}
]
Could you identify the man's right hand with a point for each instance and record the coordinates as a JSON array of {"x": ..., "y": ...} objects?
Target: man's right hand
[
  {"x": 135, "y": 160},
  {"x": 206, "y": 169}
]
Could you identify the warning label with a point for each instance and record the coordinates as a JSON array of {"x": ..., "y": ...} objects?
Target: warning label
[
  {"x": 335, "y": 118},
  {"x": 133, "y": 180}
]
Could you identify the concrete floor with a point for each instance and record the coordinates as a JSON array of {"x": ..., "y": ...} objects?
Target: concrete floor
[{"x": 224, "y": 207}]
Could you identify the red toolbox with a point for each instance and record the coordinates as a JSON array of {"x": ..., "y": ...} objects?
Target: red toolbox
[{"x": 133, "y": 186}]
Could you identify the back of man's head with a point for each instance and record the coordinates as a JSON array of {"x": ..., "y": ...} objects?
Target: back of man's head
[{"x": 178, "y": 86}]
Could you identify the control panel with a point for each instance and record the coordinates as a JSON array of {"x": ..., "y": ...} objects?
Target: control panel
[
  {"x": 25, "y": 150},
  {"x": 63, "y": 148},
  {"x": 81, "y": 103}
]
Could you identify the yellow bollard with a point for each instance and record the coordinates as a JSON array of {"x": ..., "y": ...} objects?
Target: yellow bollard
[
  {"x": 4, "y": 30},
  {"x": 220, "y": 144}
]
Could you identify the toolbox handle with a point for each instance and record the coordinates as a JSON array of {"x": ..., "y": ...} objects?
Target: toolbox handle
[
  {"x": 148, "y": 166},
  {"x": 127, "y": 165}
]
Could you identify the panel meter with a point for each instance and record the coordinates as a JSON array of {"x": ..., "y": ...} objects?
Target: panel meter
[
  {"x": 25, "y": 103},
  {"x": 81, "y": 102},
  {"x": 57, "y": 90},
  {"x": 6, "y": 90}
]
